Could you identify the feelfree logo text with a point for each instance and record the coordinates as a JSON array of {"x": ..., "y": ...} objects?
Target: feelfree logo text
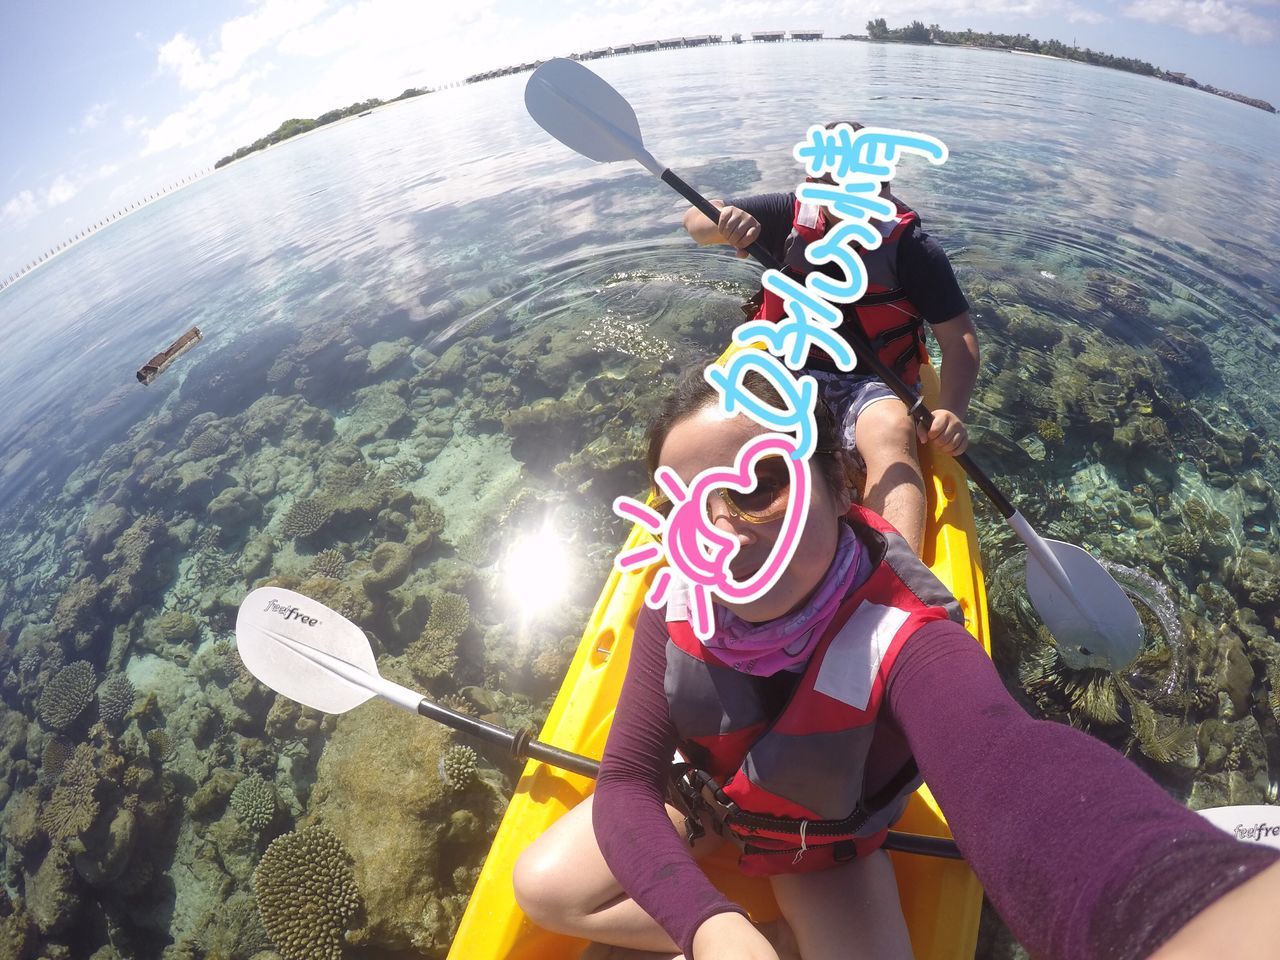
[{"x": 693, "y": 548}]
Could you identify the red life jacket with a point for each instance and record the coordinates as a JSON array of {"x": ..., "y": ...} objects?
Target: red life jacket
[
  {"x": 789, "y": 783},
  {"x": 888, "y": 319}
]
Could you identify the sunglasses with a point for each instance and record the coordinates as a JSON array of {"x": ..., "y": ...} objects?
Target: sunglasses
[{"x": 766, "y": 500}]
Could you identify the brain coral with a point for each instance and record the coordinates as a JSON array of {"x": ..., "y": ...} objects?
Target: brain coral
[
  {"x": 115, "y": 699},
  {"x": 307, "y": 894},
  {"x": 74, "y": 805},
  {"x": 389, "y": 566},
  {"x": 254, "y": 801},
  {"x": 175, "y": 626},
  {"x": 66, "y": 695},
  {"x": 305, "y": 517}
]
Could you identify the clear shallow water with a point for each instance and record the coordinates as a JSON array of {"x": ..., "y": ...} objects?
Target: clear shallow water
[{"x": 474, "y": 323}]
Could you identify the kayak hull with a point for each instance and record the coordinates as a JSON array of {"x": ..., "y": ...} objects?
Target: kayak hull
[{"x": 941, "y": 899}]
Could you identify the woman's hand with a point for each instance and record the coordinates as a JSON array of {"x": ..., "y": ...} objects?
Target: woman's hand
[{"x": 731, "y": 936}]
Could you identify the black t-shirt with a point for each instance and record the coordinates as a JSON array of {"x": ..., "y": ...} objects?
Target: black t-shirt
[{"x": 924, "y": 272}]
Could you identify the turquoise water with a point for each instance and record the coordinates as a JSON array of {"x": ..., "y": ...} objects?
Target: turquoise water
[{"x": 433, "y": 332}]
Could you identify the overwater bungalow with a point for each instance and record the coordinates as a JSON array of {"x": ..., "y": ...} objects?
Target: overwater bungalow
[
  {"x": 768, "y": 36},
  {"x": 806, "y": 34}
]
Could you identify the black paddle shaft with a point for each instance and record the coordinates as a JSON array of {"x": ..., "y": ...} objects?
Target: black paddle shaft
[
  {"x": 520, "y": 743},
  {"x": 524, "y": 747},
  {"x": 867, "y": 356}
]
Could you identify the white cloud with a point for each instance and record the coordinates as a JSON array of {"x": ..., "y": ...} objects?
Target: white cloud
[
  {"x": 238, "y": 41},
  {"x": 60, "y": 191},
  {"x": 20, "y": 209},
  {"x": 130, "y": 122},
  {"x": 95, "y": 115},
  {"x": 196, "y": 121},
  {"x": 1205, "y": 17}
]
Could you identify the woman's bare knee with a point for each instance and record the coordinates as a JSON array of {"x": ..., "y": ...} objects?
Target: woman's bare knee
[{"x": 536, "y": 889}]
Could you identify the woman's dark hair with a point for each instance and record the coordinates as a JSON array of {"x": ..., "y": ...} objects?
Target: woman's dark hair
[{"x": 692, "y": 393}]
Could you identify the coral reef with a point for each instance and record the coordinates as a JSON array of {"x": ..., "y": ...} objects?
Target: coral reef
[
  {"x": 306, "y": 517},
  {"x": 161, "y": 747},
  {"x": 388, "y": 567},
  {"x": 57, "y": 751},
  {"x": 255, "y": 803},
  {"x": 458, "y": 766},
  {"x": 449, "y": 618},
  {"x": 306, "y": 894},
  {"x": 73, "y": 806},
  {"x": 328, "y": 563},
  {"x": 378, "y": 787},
  {"x": 65, "y": 697},
  {"x": 115, "y": 699}
]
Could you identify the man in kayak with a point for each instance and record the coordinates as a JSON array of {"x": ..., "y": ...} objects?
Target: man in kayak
[
  {"x": 814, "y": 710},
  {"x": 910, "y": 281}
]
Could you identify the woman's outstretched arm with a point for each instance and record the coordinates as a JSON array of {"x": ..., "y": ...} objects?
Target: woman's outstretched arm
[
  {"x": 1083, "y": 855},
  {"x": 647, "y": 857}
]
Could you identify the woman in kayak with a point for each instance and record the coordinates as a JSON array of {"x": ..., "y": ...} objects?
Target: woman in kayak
[{"x": 825, "y": 695}]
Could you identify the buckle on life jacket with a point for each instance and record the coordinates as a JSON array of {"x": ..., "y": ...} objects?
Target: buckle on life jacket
[{"x": 699, "y": 794}]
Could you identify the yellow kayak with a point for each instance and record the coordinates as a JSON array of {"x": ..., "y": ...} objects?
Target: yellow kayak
[{"x": 941, "y": 899}]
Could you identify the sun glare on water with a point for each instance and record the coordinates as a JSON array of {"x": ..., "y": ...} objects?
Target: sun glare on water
[{"x": 534, "y": 573}]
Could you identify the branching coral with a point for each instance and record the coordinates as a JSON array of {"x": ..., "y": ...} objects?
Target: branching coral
[
  {"x": 328, "y": 563},
  {"x": 161, "y": 746},
  {"x": 54, "y": 759},
  {"x": 307, "y": 894},
  {"x": 73, "y": 806},
  {"x": 255, "y": 803},
  {"x": 66, "y": 695},
  {"x": 1095, "y": 697},
  {"x": 306, "y": 517},
  {"x": 459, "y": 767},
  {"x": 208, "y": 444},
  {"x": 346, "y": 480},
  {"x": 449, "y": 617},
  {"x": 115, "y": 699}
]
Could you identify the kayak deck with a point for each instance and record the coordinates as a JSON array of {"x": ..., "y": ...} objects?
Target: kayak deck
[{"x": 941, "y": 899}]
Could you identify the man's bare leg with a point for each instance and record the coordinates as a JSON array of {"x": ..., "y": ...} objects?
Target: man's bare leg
[{"x": 886, "y": 440}]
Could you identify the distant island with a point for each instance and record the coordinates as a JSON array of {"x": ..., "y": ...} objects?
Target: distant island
[
  {"x": 917, "y": 32},
  {"x": 877, "y": 31},
  {"x": 291, "y": 128}
]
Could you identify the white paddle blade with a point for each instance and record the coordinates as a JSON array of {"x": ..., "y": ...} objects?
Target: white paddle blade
[
  {"x": 583, "y": 112},
  {"x": 1095, "y": 623},
  {"x": 275, "y": 628},
  {"x": 1254, "y": 823}
]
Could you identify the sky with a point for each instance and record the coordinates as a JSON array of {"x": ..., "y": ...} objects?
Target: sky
[{"x": 108, "y": 102}]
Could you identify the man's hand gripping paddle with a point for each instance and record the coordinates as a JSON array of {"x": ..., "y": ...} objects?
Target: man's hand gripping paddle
[
  {"x": 1090, "y": 616},
  {"x": 300, "y": 648}
]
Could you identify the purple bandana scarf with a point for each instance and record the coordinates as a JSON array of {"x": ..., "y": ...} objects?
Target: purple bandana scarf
[{"x": 786, "y": 643}]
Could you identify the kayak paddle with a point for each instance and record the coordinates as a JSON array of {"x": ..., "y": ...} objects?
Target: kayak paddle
[
  {"x": 309, "y": 653},
  {"x": 1091, "y": 618},
  {"x": 300, "y": 648}
]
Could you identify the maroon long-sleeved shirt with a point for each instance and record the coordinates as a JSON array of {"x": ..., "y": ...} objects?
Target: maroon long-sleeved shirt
[{"x": 1083, "y": 855}]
